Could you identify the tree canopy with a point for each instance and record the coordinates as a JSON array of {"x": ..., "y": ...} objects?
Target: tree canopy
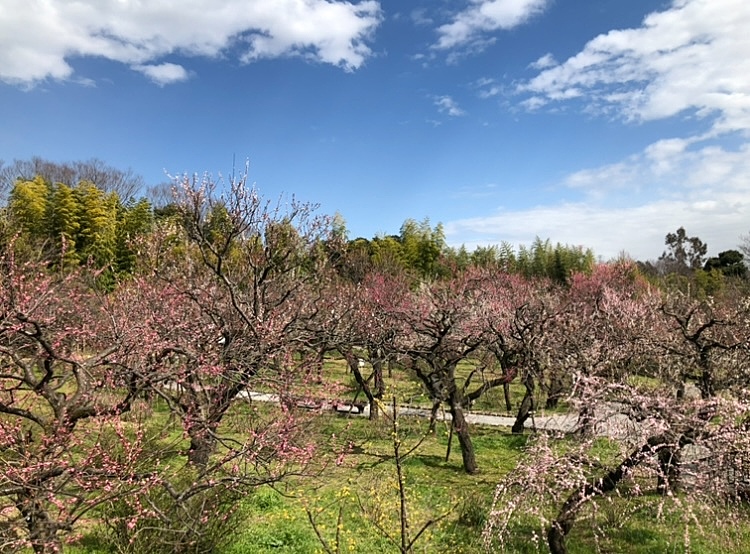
[{"x": 79, "y": 223}]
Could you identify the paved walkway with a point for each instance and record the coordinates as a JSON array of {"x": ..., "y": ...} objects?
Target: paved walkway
[
  {"x": 560, "y": 422},
  {"x": 609, "y": 421}
]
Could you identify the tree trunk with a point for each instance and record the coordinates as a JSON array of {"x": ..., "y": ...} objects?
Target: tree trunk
[
  {"x": 669, "y": 470},
  {"x": 681, "y": 389},
  {"x": 555, "y": 392},
  {"x": 202, "y": 445},
  {"x": 379, "y": 382},
  {"x": 42, "y": 530},
  {"x": 374, "y": 410},
  {"x": 527, "y": 405},
  {"x": 433, "y": 415},
  {"x": 353, "y": 363},
  {"x": 706, "y": 383},
  {"x": 461, "y": 427},
  {"x": 506, "y": 394},
  {"x": 320, "y": 358}
]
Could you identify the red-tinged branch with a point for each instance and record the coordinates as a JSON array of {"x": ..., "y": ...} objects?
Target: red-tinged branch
[{"x": 600, "y": 486}]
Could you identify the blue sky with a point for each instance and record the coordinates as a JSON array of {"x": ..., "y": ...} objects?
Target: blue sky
[{"x": 603, "y": 123}]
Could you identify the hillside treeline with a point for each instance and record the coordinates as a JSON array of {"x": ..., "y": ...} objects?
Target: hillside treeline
[{"x": 91, "y": 213}]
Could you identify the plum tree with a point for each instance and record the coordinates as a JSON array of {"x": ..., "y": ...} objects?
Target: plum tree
[
  {"x": 230, "y": 296},
  {"x": 63, "y": 389}
]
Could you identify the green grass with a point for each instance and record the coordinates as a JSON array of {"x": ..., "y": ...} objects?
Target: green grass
[
  {"x": 438, "y": 487},
  {"x": 363, "y": 488},
  {"x": 409, "y": 390},
  {"x": 278, "y": 522}
]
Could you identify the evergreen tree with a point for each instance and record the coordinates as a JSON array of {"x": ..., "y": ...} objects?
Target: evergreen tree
[
  {"x": 730, "y": 263},
  {"x": 684, "y": 254},
  {"x": 133, "y": 220},
  {"x": 484, "y": 256},
  {"x": 28, "y": 205},
  {"x": 63, "y": 224},
  {"x": 506, "y": 257},
  {"x": 74, "y": 224},
  {"x": 422, "y": 246},
  {"x": 387, "y": 254},
  {"x": 96, "y": 240}
]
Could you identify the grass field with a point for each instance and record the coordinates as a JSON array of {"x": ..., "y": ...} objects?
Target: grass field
[
  {"x": 350, "y": 492},
  {"x": 355, "y": 504},
  {"x": 409, "y": 390}
]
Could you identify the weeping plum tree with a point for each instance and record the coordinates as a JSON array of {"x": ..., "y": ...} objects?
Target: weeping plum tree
[
  {"x": 556, "y": 486},
  {"x": 610, "y": 332}
]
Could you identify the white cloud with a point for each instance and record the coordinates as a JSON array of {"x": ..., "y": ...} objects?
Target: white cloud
[
  {"x": 486, "y": 16},
  {"x": 548, "y": 60},
  {"x": 672, "y": 167},
  {"x": 448, "y": 105},
  {"x": 487, "y": 88},
  {"x": 693, "y": 57},
  {"x": 163, "y": 74},
  {"x": 691, "y": 60},
  {"x": 534, "y": 103},
  {"x": 142, "y": 33},
  {"x": 420, "y": 17},
  {"x": 638, "y": 230},
  {"x": 704, "y": 189},
  {"x": 489, "y": 92}
]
